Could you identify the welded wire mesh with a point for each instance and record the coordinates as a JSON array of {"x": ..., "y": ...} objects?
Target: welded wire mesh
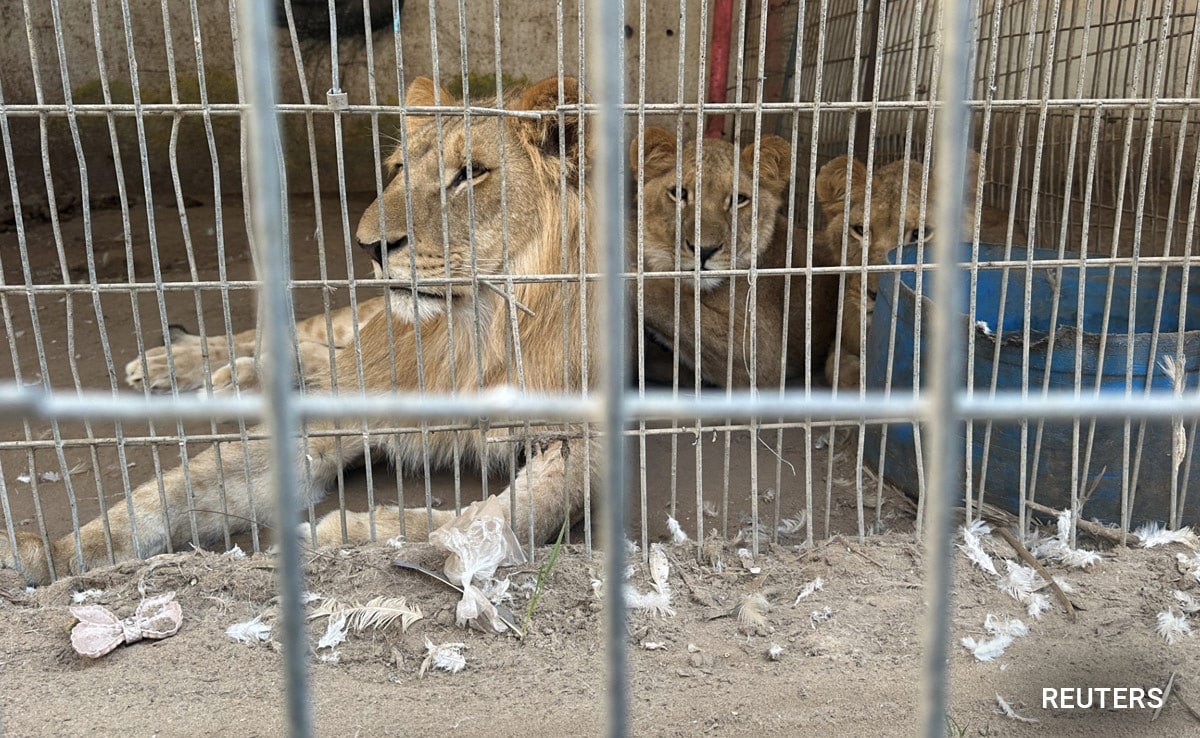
[{"x": 129, "y": 183}]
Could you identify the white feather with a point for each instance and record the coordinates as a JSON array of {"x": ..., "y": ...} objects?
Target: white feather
[
  {"x": 1037, "y": 604},
  {"x": 79, "y": 598},
  {"x": 660, "y": 569},
  {"x": 1152, "y": 534},
  {"x": 1011, "y": 627},
  {"x": 775, "y": 652},
  {"x": 1187, "y": 603},
  {"x": 1171, "y": 627},
  {"x": 249, "y": 632},
  {"x": 445, "y": 656},
  {"x": 1007, "y": 711},
  {"x": 815, "y": 585},
  {"x": 972, "y": 547},
  {"x": 988, "y": 650},
  {"x": 677, "y": 533},
  {"x": 1189, "y": 564},
  {"x": 656, "y": 604},
  {"x": 335, "y": 633}
]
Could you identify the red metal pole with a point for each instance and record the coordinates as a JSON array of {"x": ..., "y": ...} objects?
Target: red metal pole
[{"x": 718, "y": 76}]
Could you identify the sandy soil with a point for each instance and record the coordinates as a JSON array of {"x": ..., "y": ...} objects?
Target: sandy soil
[{"x": 856, "y": 672}]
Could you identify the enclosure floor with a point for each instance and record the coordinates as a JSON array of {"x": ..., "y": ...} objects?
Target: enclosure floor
[
  {"x": 856, "y": 673},
  {"x": 667, "y": 489}
]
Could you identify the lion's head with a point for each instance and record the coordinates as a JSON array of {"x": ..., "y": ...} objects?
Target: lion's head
[
  {"x": 706, "y": 219},
  {"x": 450, "y": 210},
  {"x": 887, "y": 224}
]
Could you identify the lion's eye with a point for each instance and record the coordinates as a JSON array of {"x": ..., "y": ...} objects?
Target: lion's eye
[
  {"x": 919, "y": 234},
  {"x": 742, "y": 199},
  {"x": 477, "y": 172},
  {"x": 677, "y": 194},
  {"x": 857, "y": 230}
]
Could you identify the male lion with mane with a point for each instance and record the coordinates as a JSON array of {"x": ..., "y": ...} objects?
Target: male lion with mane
[{"x": 549, "y": 488}]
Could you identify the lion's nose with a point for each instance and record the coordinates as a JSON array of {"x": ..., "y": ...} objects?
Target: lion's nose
[{"x": 376, "y": 248}]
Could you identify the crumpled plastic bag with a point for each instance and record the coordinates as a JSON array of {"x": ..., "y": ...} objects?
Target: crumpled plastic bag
[
  {"x": 99, "y": 631},
  {"x": 479, "y": 540}
]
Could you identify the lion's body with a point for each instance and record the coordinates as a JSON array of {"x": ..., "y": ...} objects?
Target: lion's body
[
  {"x": 448, "y": 338},
  {"x": 674, "y": 217},
  {"x": 900, "y": 212}
]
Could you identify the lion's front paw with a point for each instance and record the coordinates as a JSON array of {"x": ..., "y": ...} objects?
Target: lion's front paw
[
  {"x": 244, "y": 369},
  {"x": 184, "y": 353},
  {"x": 32, "y": 554}
]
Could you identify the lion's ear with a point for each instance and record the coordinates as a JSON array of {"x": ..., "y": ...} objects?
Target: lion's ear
[
  {"x": 659, "y": 153},
  {"x": 831, "y": 183},
  {"x": 774, "y": 162},
  {"x": 422, "y": 92},
  {"x": 549, "y": 133}
]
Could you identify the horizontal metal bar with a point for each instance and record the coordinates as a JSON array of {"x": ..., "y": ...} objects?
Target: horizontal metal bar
[
  {"x": 504, "y": 403},
  {"x": 629, "y": 109},
  {"x": 505, "y": 279}
]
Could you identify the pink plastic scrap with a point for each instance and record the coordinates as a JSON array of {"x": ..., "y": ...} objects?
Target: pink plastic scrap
[{"x": 99, "y": 631}]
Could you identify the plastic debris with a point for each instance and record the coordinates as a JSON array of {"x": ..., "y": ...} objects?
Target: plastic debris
[
  {"x": 479, "y": 540},
  {"x": 99, "y": 631}
]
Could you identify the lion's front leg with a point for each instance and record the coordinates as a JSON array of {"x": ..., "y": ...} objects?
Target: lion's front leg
[
  {"x": 548, "y": 490},
  {"x": 217, "y": 491},
  {"x": 184, "y": 353}
]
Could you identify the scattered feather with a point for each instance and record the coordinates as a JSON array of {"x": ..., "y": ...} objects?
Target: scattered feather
[
  {"x": 1007, "y": 711},
  {"x": 1011, "y": 627},
  {"x": 747, "y": 560},
  {"x": 1038, "y": 603},
  {"x": 332, "y": 657},
  {"x": 310, "y": 597},
  {"x": 396, "y": 542},
  {"x": 820, "y": 616},
  {"x": 660, "y": 569},
  {"x": 249, "y": 632},
  {"x": 377, "y": 613},
  {"x": 51, "y": 476},
  {"x": 653, "y": 646},
  {"x": 446, "y": 656},
  {"x": 79, "y": 598},
  {"x": 710, "y": 509},
  {"x": 335, "y": 633},
  {"x": 815, "y": 585},
  {"x": 1057, "y": 548},
  {"x": 775, "y": 652},
  {"x": 235, "y": 553},
  {"x": 631, "y": 547},
  {"x": 655, "y": 604},
  {"x": 988, "y": 650},
  {"x": 1152, "y": 534},
  {"x": 677, "y": 533},
  {"x": 972, "y": 547},
  {"x": 24, "y": 478},
  {"x": 1171, "y": 627},
  {"x": 496, "y": 590},
  {"x": 693, "y": 648},
  {"x": 752, "y": 611},
  {"x": 1189, "y": 565},
  {"x": 1189, "y": 604},
  {"x": 789, "y": 527}
]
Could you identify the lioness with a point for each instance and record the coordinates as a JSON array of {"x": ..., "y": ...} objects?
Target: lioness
[
  {"x": 887, "y": 226},
  {"x": 549, "y": 488},
  {"x": 685, "y": 230}
]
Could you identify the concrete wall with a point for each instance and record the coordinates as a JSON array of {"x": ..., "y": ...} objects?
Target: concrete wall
[{"x": 199, "y": 51}]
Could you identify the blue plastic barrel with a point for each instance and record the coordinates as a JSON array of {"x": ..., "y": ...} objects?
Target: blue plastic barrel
[{"x": 1053, "y": 463}]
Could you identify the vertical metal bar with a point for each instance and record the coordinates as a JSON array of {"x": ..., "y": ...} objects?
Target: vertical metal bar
[
  {"x": 267, "y": 219},
  {"x": 608, "y": 86},
  {"x": 946, "y": 366}
]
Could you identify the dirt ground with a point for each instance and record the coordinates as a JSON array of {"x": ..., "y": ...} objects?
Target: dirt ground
[{"x": 850, "y": 661}]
